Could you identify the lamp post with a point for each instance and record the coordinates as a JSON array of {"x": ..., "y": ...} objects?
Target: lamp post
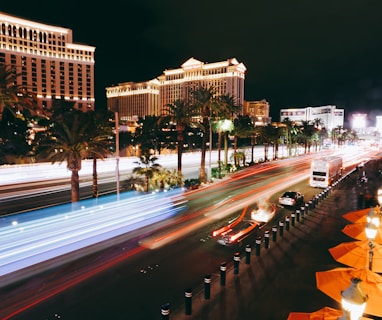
[
  {"x": 373, "y": 217},
  {"x": 371, "y": 231},
  {"x": 209, "y": 162},
  {"x": 117, "y": 151},
  {"x": 353, "y": 301}
]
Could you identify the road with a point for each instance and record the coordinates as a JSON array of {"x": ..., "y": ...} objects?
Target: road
[{"x": 144, "y": 269}]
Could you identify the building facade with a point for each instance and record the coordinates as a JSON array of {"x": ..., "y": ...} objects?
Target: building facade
[
  {"x": 330, "y": 116},
  {"x": 258, "y": 111},
  {"x": 134, "y": 99},
  {"x": 50, "y": 65},
  {"x": 227, "y": 77}
]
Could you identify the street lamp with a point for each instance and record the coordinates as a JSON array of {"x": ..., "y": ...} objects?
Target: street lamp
[
  {"x": 371, "y": 232},
  {"x": 117, "y": 150},
  {"x": 353, "y": 301},
  {"x": 373, "y": 217}
]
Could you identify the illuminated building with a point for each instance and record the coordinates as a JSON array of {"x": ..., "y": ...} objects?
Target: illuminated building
[
  {"x": 51, "y": 65},
  {"x": 134, "y": 99},
  {"x": 359, "y": 122},
  {"x": 258, "y": 111},
  {"x": 330, "y": 116},
  {"x": 227, "y": 77}
]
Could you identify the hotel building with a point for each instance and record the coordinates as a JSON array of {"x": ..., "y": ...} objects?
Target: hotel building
[
  {"x": 330, "y": 116},
  {"x": 258, "y": 111},
  {"x": 149, "y": 98},
  {"x": 50, "y": 65}
]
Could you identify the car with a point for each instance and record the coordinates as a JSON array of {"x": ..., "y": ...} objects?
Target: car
[
  {"x": 238, "y": 233},
  {"x": 291, "y": 198}
]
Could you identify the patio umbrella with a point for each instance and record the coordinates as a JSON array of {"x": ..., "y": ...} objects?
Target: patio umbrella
[
  {"x": 333, "y": 281},
  {"x": 356, "y": 254},
  {"x": 358, "y": 215},
  {"x": 326, "y": 313},
  {"x": 357, "y": 231}
]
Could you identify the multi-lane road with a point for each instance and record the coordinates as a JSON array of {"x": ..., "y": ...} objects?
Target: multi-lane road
[{"x": 130, "y": 276}]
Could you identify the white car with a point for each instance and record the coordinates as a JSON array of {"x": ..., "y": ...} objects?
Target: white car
[{"x": 291, "y": 199}]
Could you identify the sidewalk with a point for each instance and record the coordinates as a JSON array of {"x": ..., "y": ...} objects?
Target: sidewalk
[{"x": 282, "y": 278}]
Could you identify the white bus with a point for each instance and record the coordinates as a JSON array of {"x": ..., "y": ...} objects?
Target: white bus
[{"x": 324, "y": 171}]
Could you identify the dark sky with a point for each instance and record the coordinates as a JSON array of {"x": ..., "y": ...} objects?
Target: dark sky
[{"x": 298, "y": 53}]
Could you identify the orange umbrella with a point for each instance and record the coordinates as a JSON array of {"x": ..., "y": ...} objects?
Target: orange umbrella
[
  {"x": 357, "y": 231},
  {"x": 333, "y": 281},
  {"x": 356, "y": 254},
  {"x": 357, "y": 215},
  {"x": 325, "y": 313}
]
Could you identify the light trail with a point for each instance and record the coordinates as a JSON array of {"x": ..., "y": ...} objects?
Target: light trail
[{"x": 34, "y": 237}]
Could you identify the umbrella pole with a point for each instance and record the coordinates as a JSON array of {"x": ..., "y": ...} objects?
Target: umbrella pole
[{"x": 371, "y": 253}]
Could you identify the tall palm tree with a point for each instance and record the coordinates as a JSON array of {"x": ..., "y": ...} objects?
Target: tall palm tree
[
  {"x": 12, "y": 95},
  {"x": 204, "y": 101},
  {"x": 67, "y": 140},
  {"x": 99, "y": 143},
  {"x": 180, "y": 113}
]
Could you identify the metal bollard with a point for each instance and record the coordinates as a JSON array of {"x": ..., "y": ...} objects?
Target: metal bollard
[
  {"x": 266, "y": 239},
  {"x": 287, "y": 223},
  {"x": 248, "y": 250},
  {"x": 258, "y": 246},
  {"x": 306, "y": 208},
  {"x": 236, "y": 262},
  {"x": 274, "y": 233},
  {"x": 223, "y": 269},
  {"x": 293, "y": 217},
  {"x": 188, "y": 301},
  {"x": 302, "y": 213},
  {"x": 207, "y": 286},
  {"x": 298, "y": 215},
  {"x": 165, "y": 311},
  {"x": 281, "y": 228}
]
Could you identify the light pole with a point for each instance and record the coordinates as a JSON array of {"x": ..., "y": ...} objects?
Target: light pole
[
  {"x": 371, "y": 232},
  {"x": 353, "y": 301},
  {"x": 373, "y": 217},
  {"x": 117, "y": 151},
  {"x": 209, "y": 162}
]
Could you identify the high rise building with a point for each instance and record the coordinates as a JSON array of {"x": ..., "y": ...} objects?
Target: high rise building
[
  {"x": 227, "y": 77},
  {"x": 50, "y": 65},
  {"x": 330, "y": 116}
]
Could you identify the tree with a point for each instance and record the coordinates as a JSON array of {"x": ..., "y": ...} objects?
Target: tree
[
  {"x": 205, "y": 103},
  {"x": 13, "y": 96},
  {"x": 147, "y": 167},
  {"x": 100, "y": 135},
  {"x": 181, "y": 114},
  {"x": 67, "y": 140}
]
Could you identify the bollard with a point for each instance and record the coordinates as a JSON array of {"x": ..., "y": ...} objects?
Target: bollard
[
  {"x": 281, "y": 228},
  {"x": 274, "y": 233},
  {"x": 165, "y": 311},
  {"x": 293, "y": 216},
  {"x": 207, "y": 286},
  {"x": 188, "y": 301},
  {"x": 223, "y": 269},
  {"x": 258, "y": 246},
  {"x": 306, "y": 208},
  {"x": 236, "y": 262},
  {"x": 302, "y": 213},
  {"x": 266, "y": 239},
  {"x": 248, "y": 254},
  {"x": 298, "y": 215},
  {"x": 287, "y": 223},
  {"x": 311, "y": 206}
]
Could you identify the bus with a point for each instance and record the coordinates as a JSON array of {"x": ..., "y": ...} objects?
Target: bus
[{"x": 324, "y": 171}]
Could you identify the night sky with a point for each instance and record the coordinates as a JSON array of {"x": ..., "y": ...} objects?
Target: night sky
[{"x": 298, "y": 53}]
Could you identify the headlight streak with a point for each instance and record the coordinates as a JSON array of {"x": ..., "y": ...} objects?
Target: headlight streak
[{"x": 28, "y": 242}]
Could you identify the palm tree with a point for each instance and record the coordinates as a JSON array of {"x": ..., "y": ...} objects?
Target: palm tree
[
  {"x": 147, "y": 167},
  {"x": 12, "y": 95},
  {"x": 67, "y": 140},
  {"x": 205, "y": 103},
  {"x": 180, "y": 113},
  {"x": 99, "y": 142}
]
